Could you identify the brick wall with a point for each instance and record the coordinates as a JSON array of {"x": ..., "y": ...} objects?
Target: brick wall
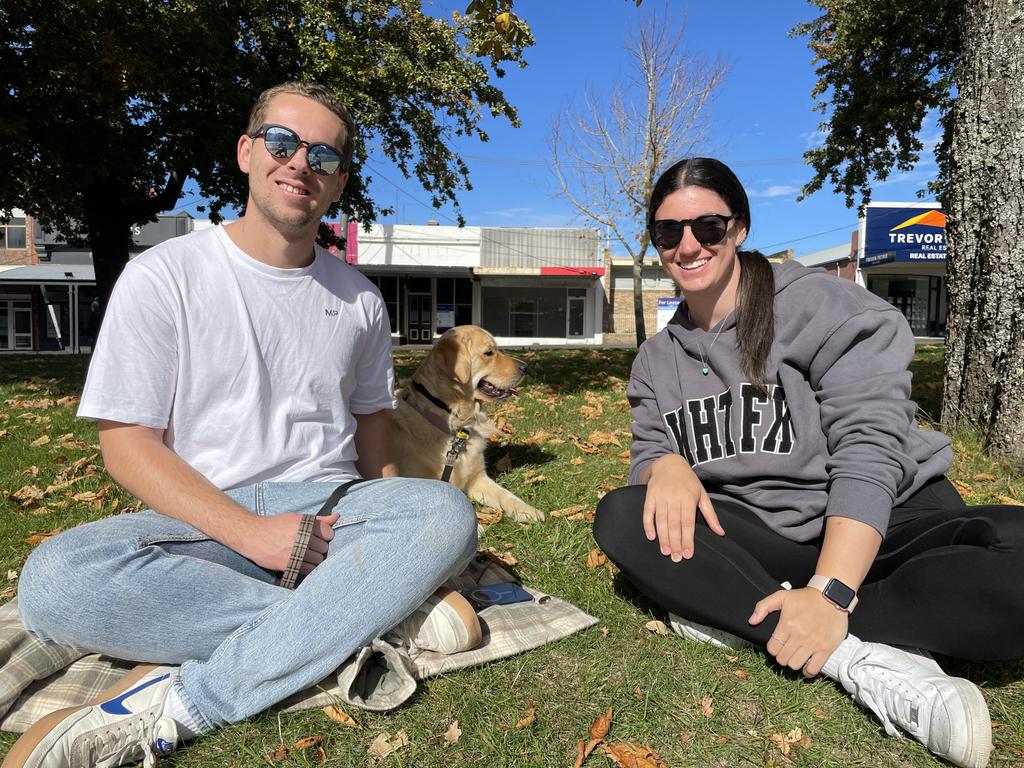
[{"x": 21, "y": 256}]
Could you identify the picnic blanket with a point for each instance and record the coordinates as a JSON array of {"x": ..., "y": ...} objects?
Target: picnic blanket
[{"x": 38, "y": 677}]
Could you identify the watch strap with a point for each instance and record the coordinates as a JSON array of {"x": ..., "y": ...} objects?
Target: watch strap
[{"x": 823, "y": 584}]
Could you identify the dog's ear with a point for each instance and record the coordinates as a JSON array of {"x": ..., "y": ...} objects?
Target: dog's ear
[{"x": 455, "y": 357}]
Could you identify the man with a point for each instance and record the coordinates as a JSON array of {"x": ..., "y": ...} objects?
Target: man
[{"x": 242, "y": 375}]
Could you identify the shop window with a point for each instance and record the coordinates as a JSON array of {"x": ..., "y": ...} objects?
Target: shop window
[
  {"x": 530, "y": 312},
  {"x": 454, "y": 302},
  {"x": 12, "y": 233},
  {"x": 388, "y": 287}
]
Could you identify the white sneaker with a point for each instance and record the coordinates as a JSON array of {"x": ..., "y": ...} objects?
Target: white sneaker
[
  {"x": 120, "y": 727},
  {"x": 946, "y": 714},
  {"x": 700, "y": 633},
  {"x": 445, "y": 623}
]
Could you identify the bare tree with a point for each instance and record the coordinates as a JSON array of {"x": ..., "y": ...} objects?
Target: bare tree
[{"x": 607, "y": 154}]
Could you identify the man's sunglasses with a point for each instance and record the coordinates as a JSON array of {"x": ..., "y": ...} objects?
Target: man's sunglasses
[
  {"x": 708, "y": 229},
  {"x": 283, "y": 142}
]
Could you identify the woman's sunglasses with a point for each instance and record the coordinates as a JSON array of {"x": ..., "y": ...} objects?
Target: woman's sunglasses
[
  {"x": 283, "y": 142},
  {"x": 708, "y": 229}
]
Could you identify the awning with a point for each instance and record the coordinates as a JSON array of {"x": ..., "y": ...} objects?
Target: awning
[{"x": 49, "y": 274}]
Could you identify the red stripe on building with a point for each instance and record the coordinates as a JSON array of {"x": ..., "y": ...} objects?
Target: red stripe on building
[{"x": 573, "y": 271}]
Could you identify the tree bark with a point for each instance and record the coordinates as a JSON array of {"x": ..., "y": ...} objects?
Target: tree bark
[
  {"x": 984, "y": 365},
  {"x": 638, "y": 301}
]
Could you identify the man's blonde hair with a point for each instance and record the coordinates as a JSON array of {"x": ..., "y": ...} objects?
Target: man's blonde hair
[{"x": 320, "y": 95}]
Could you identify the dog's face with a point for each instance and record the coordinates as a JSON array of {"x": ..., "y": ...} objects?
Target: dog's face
[{"x": 472, "y": 359}]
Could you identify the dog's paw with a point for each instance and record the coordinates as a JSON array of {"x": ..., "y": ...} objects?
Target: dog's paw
[{"x": 523, "y": 513}]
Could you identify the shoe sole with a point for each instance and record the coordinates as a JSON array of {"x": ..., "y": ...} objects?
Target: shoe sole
[
  {"x": 979, "y": 725},
  {"x": 34, "y": 736},
  {"x": 464, "y": 610}
]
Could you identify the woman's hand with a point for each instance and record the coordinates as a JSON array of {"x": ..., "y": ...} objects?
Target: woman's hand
[
  {"x": 810, "y": 628},
  {"x": 674, "y": 494}
]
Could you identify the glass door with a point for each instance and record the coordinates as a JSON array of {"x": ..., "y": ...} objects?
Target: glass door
[
  {"x": 575, "y": 315},
  {"x": 420, "y": 318}
]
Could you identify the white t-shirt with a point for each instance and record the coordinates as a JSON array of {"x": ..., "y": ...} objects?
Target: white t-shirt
[{"x": 253, "y": 371}]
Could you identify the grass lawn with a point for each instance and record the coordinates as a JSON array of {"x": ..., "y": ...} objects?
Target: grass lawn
[{"x": 567, "y": 442}]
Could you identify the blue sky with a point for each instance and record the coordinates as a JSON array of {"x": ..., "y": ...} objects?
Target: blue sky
[{"x": 762, "y": 120}]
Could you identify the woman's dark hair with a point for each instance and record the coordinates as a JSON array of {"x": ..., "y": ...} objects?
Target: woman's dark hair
[{"x": 755, "y": 304}]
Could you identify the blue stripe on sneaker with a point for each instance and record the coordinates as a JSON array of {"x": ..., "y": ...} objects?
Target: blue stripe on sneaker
[{"x": 116, "y": 706}]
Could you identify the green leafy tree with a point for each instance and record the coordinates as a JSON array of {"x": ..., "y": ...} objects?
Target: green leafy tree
[
  {"x": 882, "y": 67},
  {"x": 107, "y": 107}
]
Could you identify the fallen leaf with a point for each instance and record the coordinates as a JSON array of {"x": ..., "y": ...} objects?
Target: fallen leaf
[
  {"x": 601, "y": 725},
  {"x": 536, "y": 479},
  {"x": 306, "y": 743},
  {"x": 12, "y": 575},
  {"x": 4, "y": 433},
  {"x": 488, "y": 515},
  {"x": 623, "y": 454},
  {"x": 581, "y": 755},
  {"x": 984, "y": 476},
  {"x": 686, "y": 737},
  {"x": 603, "y": 438},
  {"x": 628, "y": 755},
  {"x": 64, "y": 402},
  {"x": 339, "y": 715},
  {"x": 575, "y": 462},
  {"x": 707, "y": 706},
  {"x": 8, "y": 593},
  {"x": 596, "y": 558},
  {"x": 528, "y": 717},
  {"x": 605, "y": 631},
  {"x": 451, "y": 736},
  {"x": 639, "y": 694},
  {"x": 385, "y": 744},
  {"x": 589, "y": 412},
  {"x": 278, "y": 754},
  {"x": 28, "y": 492},
  {"x": 32, "y": 471},
  {"x": 503, "y": 558},
  {"x": 607, "y": 486},
  {"x": 40, "y": 441},
  {"x": 819, "y": 713},
  {"x": 538, "y": 438},
  {"x": 39, "y": 538},
  {"x": 656, "y": 626},
  {"x": 567, "y": 511},
  {"x": 1010, "y": 500},
  {"x": 321, "y": 756},
  {"x": 583, "y": 445},
  {"x": 741, "y": 674}
]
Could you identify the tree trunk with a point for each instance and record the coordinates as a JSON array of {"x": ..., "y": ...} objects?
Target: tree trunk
[
  {"x": 638, "y": 302},
  {"x": 984, "y": 368},
  {"x": 110, "y": 240}
]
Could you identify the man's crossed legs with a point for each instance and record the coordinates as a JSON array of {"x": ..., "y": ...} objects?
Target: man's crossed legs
[{"x": 147, "y": 587}]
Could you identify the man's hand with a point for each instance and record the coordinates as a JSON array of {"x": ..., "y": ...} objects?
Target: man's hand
[
  {"x": 269, "y": 541},
  {"x": 674, "y": 494},
  {"x": 810, "y": 628}
]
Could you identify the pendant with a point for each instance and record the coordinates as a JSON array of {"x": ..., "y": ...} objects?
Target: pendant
[{"x": 704, "y": 370}]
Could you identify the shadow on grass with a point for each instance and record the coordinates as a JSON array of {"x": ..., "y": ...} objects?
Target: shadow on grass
[{"x": 520, "y": 455}]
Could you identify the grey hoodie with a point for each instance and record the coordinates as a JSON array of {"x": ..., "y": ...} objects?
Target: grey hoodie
[{"x": 836, "y": 433}]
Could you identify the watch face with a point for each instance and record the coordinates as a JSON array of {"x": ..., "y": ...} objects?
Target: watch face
[{"x": 839, "y": 593}]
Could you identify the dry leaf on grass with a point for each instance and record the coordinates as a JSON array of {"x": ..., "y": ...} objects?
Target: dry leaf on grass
[
  {"x": 596, "y": 558},
  {"x": 577, "y": 461},
  {"x": 321, "y": 756},
  {"x": 40, "y": 441},
  {"x": 39, "y": 538},
  {"x": 278, "y": 754},
  {"x": 488, "y": 515},
  {"x": 1010, "y": 500},
  {"x": 12, "y": 575},
  {"x": 962, "y": 488},
  {"x": 306, "y": 743},
  {"x": 528, "y": 717},
  {"x": 707, "y": 707},
  {"x": 451, "y": 736},
  {"x": 601, "y": 725},
  {"x": 794, "y": 738},
  {"x": 385, "y": 744},
  {"x": 535, "y": 479},
  {"x": 639, "y": 694},
  {"x": 742, "y": 674},
  {"x": 628, "y": 755},
  {"x": 28, "y": 493},
  {"x": 8, "y": 593},
  {"x": 339, "y": 715},
  {"x": 984, "y": 476},
  {"x": 583, "y": 445},
  {"x": 70, "y": 400},
  {"x": 819, "y": 713},
  {"x": 603, "y": 438},
  {"x": 502, "y": 558},
  {"x": 657, "y": 627},
  {"x": 589, "y": 412},
  {"x": 567, "y": 511}
]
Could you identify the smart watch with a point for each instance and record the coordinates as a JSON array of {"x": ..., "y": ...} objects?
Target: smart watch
[{"x": 837, "y": 593}]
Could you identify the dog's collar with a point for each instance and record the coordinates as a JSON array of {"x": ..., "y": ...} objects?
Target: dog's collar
[
  {"x": 435, "y": 400},
  {"x": 436, "y": 420}
]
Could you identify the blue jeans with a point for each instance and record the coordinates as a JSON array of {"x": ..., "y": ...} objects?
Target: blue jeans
[{"x": 147, "y": 587}]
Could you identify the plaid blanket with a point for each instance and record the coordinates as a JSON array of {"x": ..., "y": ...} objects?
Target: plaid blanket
[{"x": 38, "y": 677}]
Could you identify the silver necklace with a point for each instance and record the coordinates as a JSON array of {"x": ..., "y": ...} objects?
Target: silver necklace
[{"x": 704, "y": 356}]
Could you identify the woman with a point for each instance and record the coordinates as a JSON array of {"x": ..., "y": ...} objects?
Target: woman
[{"x": 778, "y": 470}]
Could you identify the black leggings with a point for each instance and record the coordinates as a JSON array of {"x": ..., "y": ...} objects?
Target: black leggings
[{"x": 948, "y": 578}]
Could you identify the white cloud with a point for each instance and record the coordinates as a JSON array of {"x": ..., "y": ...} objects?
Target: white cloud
[{"x": 775, "y": 190}]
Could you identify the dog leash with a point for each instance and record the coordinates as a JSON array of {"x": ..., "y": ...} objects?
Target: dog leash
[
  {"x": 291, "y": 575},
  {"x": 455, "y": 448}
]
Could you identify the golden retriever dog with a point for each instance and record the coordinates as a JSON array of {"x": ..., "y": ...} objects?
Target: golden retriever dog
[{"x": 447, "y": 394}]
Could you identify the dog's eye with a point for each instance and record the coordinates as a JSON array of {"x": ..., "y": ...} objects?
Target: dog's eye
[{"x": 489, "y": 353}]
